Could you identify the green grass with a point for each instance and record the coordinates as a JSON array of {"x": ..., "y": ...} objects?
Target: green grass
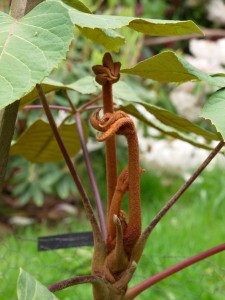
[{"x": 194, "y": 224}]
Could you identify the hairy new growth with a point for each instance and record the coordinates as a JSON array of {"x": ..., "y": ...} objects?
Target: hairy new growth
[{"x": 123, "y": 231}]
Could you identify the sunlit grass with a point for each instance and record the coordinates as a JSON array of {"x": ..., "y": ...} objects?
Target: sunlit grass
[{"x": 194, "y": 224}]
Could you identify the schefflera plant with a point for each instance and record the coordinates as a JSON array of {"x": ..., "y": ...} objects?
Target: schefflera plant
[
  {"x": 118, "y": 249},
  {"x": 118, "y": 246}
]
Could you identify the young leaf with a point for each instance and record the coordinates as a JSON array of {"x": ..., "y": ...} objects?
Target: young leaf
[
  {"x": 86, "y": 85},
  {"x": 31, "y": 47},
  {"x": 123, "y": 91},
  {"x": 169, "y": 67},
  {"x": 28, "y": 288},
  {"x": 96, "y": 27},
  {"x": 38, "y": 144},
  {"x": 110, "y": 39},
  {"x": 214, "y": 110}
]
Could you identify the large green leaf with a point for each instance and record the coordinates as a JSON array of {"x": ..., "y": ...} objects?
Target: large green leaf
[
  {"x": 28, "y": 288},
  {"x": 169, "y": 67},
  {"x": 86, "y": 85},
  {"x": 146, "y": 26},
  {"x": 154, "y": 123},
  {"x": 108, "y": 38},
  {"x": 31, "y": 47},
  {"x": 214, "y": 110},
  {"x": 38, "y": 144},
  {"x": 96, "y": 27}
]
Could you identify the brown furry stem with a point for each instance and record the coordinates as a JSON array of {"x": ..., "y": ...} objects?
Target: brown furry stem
[
  {"x": 122, "y": 234},
  {"x": 106, "y": 75},
  {"x": 120, "y": 123}
]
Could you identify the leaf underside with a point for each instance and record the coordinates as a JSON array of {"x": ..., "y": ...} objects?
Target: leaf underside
[
  {"x": 38, "y": 144},
  {"x": 147, "y": 26},
  {"x": 100, "y": 28},
  {"x": 86, "y": 85}
]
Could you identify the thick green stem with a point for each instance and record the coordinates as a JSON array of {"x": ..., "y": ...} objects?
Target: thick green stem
[{"x": 8, "y": 114}]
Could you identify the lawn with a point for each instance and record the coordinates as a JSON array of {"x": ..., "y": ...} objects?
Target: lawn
[{"x": 194, "y": 224}]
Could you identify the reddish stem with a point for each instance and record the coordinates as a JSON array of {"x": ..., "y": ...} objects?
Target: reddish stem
[
  {"x": 91, "y": 175},
  {"x": 56, "y": 107},
  {"x": 73, "y": 281},
  {"x": 185, "y": 187},
  {"x": 107, "y": 97},
  {"x": 86, "y": 203},
  {"x": 87, "y": 104},
  {"x": 139, "y": 288},
  {"x": 93, "y": 107}
]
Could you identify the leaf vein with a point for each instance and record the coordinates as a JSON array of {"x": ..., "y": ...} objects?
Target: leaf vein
[
  {"x": 9, "y": 54},
  {"x": 11, "y": 29}
]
